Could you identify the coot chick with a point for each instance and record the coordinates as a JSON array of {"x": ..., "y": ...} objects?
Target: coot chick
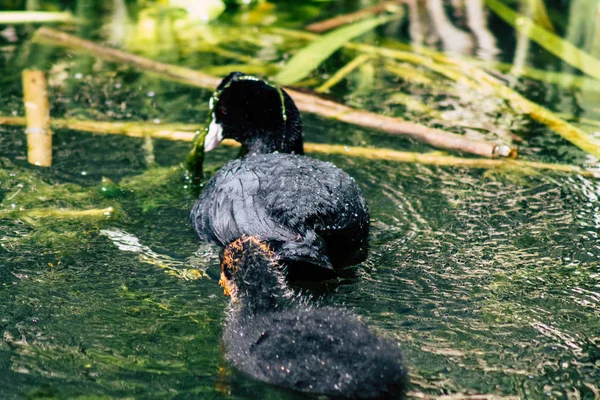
[
  {"x": 277, "y": 338},
  {"x": 311, "y": 213}
]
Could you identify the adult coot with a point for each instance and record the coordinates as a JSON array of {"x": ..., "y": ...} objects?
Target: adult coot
[
  {"x": 311, "y": 213},
  {"x": 277, "y": 338}
]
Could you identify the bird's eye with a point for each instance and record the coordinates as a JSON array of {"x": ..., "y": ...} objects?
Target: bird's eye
[{"x": 222, "y": 111}]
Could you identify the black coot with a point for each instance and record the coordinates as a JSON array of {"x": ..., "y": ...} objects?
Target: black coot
[
  {"x": 276, "y": 337},
  {"x": 311, "y": 213}
]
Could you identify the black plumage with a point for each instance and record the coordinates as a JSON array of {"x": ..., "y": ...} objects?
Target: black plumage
[
  {"x": 275, "y": 337},
  {"x": 310, "y": 212}
]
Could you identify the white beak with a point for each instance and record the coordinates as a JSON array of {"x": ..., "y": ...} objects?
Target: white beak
[{"x": 214, "y": 135}]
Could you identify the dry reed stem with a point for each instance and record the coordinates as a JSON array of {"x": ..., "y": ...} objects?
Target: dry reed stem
[
  {"x": 186, "y": 133},
  {"x": 305, "y": 102},
  {"x": 37, "y": 111},
  {"x": 441, "y": 160},
  {"x": 434, "y": 137},
  {"x": 62, "y": 213},
  {"x": 34, "y": 17}
]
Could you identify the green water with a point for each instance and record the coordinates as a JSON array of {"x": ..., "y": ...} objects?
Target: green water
[{"x": 489, "y": 280}]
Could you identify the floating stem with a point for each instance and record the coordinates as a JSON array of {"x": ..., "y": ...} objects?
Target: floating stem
[
  {"x": 397, "y": 126},
  {"x": 194, "y": 133},
  {"x": 34, "y": 17},
  {"x": 63, "y": 213},
  {"x": 183, "y": 132},
  {"x": 37, "y": 111}
]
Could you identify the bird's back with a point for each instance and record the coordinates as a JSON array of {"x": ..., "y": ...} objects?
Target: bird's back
[{"x": 296, "y": 203}]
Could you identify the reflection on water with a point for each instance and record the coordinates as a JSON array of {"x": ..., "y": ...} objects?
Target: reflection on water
[
  {"x": 463, "y": 30},
  {"x": 491, "y": 282}
]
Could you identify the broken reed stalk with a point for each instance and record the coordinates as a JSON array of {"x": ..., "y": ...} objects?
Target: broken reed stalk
[
  {"x": 182, "y": 132},
  {"x": 329, "y": 24},
  {"x": 37, "y": 111},
  {"x": 34, "y": 17},
  {"x": 442, "y": 160},
  {"x": 186, "y": 133},
  {"x": 436, "y": 159},
  {"x": 305, "y": 102},
  {"x": 132, "y": 129},
  {"x": 62, "y": 213},
  {"x": 475, "y": 78},
  {"x": 434, "y": 137}
]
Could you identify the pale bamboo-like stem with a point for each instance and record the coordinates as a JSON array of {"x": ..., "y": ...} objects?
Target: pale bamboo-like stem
[
  {"x": 413, "y": 104},
  {"x": 37, "y": 111},
  {"x": 34, "y": 17},
  {"x": 332, "y": 23},
  {"x": 250, "y": 69},
  {"x": 305, "y": 102},
  {"x": 581, "y": 121},
  {"x": 183, "y": 132},
  {"x": 62, "y": 213},
  {"x": 434, "y": 137},
  {"x": 186, "y": 133},
  {"x": 440, "y": 160},
  {"x": 342, "y": 72}
]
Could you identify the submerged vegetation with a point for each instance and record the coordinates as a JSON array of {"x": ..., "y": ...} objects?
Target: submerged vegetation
[{"x": 484, "y": 261}]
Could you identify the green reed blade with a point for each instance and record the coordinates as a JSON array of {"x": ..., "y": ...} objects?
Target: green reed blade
[
  {"x": 566, "y": 51},
  {"x": 310, "y": 57}
]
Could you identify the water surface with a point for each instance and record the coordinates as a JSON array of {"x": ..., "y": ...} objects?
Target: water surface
[{"x": 489, "y": 280}]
